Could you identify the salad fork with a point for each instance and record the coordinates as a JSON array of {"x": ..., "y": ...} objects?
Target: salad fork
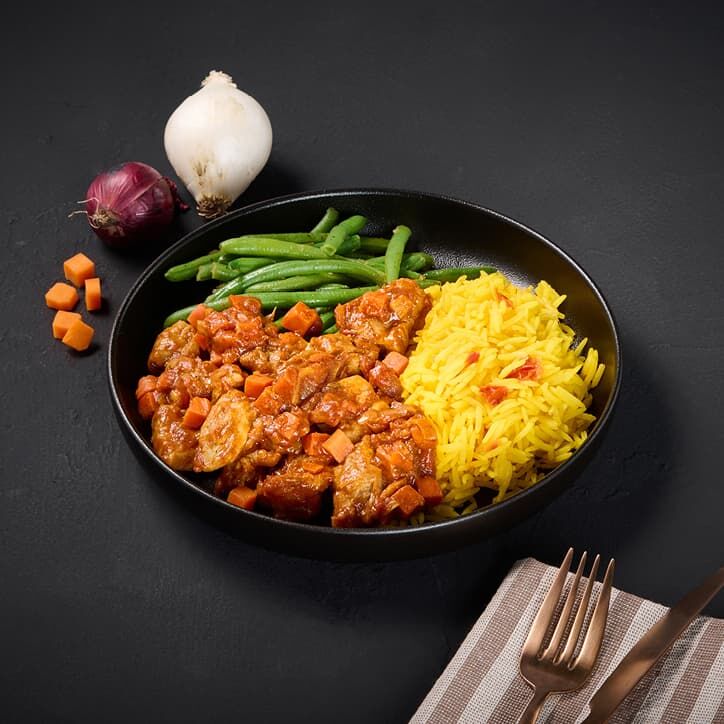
[{"x": 556, "y": 668}]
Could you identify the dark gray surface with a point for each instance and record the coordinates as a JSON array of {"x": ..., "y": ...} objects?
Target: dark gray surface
[{"x": 600, "y": 127}]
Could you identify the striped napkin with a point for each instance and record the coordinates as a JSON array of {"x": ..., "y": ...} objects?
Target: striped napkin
[{"x": 482, "y": 682}]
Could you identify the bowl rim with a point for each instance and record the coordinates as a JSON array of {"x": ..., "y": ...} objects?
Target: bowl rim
[{"x": 293, "y": 527}]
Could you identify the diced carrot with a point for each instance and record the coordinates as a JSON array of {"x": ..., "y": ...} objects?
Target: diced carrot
[
  {"x": 196, "y": 413},
  {"x": 146, "y": 384},
  {"x": 396, "y": 362},
  {"x": 242, "y": 497},
  {"x": 338, "y": 445},
  {"x": 79, "y": 335},
  {"x": 312, "y": 443},
  {"x": 472, "y": 358},
  {"x": 148, "y": 404},
  {"x": 199, "y": 312},
  {"x": 78, "y": 269},
  {"x": 408, "y": 500},
  {"x": 61, "y": 296},
  {"x": 202, "y": 341},
  {"x": 430, "y": 489},
  {"x": 255, "y": 384},
  {"x": 93, "y": 299},
  {"x": 312, "y": 466},
  {"x": 301, "y": 319},
  {"x": 62, "y": 321}
]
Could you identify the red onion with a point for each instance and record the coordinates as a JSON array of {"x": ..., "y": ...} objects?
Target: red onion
[{"x": 131, "y": 203}]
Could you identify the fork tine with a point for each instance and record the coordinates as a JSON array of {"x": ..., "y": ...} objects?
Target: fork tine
[
  {"x": 560, "y": 629},
  {"x": 575, "y": 631},
  {"x": 594, "y": 635},
  {"x": 543, "y": 618}
]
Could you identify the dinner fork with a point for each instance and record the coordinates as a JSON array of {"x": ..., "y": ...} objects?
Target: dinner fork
[{"x": 555, "y": 668}]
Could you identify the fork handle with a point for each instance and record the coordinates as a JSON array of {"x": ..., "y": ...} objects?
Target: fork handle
[{"x": 530, "y": 715}]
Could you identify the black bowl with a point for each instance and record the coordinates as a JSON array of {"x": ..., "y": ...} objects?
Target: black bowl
[{"x": 456, "y": 233}]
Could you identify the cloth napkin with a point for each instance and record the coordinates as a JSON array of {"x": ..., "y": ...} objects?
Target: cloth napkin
[{"x": 482, "y": 682}]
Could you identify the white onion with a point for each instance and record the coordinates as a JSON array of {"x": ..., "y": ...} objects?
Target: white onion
[{"x": 218, "y": 140}]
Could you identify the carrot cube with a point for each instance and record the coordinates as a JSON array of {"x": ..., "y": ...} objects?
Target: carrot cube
[
  {"x": 78, "y": 269},
  {"x": 255, "y": 384},
  {"x": 338, "y": 445},
  {"x": 79, "y": 335},
  {"x": 197, "y": 411},
  {"x": 430, "y": 489},
  {"x": 199, "y": 312},
  {"x": 148, "y": 404},
  {"x": 242, "y": 497},
  {"x": 408, "y": 500},
  {"x": 302, "y": 320},
  {"x": 62, "y": 321},
  {"x": 312, "y": 443},
  {"x": 396, "y": 362},
  {"x": 93, "y": 298},
  {"x": 61, "y": 296}
]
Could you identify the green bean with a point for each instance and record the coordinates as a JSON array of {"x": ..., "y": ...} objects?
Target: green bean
[
  {"x": 414, "y": 261},
  {"x": 293, "y": 283},
  {"x": 182, "y": 272},
  {"x": 234, "y": 286},
  {"x": 263, "y": 246},
  {"x": 223, "y": 272},
  {"x": 270, "y": 300},
  {"x": 327, "y": 221},
  {"x": 282, "y": 269},
  {"x": 395, "y": 250},
  {"x": 373, "y": 244},
  {"x": 454, "y": 273},
  {"x": 333, "y": 286},
  {"x": 349, "y": 246},
  {"x": 409, "y": 274},
  {"x": 203, "y": 273},
  {"x": 331, "y": 330},
  {"x": 247, "y": 264},
  {"x": 337, "y": 233},
  {"x": 425, "y": 283},
  {"x": 327, "y": 319}
]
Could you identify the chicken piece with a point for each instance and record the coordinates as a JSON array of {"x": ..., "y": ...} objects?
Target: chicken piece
[
  {"x": 357, "y": 489},
  {"x": 350, "y": 358},
  {"x": 284, "y": 433},
  {"x": 190, "y": 376},
  {"x": 174, "y": 443},
  {"x": 232, "y": 332},
  {"x": 385, "y": 381},
  {"x": 341, "y": 402},
  {"x": 245, "y": 470},
  {"x": 178, "y": 339},
  {"x": 225, "y": 378},
  {"x": 224, "y": 433},
  {"x": 381, "y": 415},
  {"x": 387, "y": 317},
  {"x": 294, "y": 492},
  {"x": 269, "y": 358},
  {"x": 406, "y": 451}
]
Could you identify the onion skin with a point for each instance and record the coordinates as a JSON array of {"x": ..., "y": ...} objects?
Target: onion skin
[
  {"x": 217, "y": 140},
  {"x": 131, "y": 204}
]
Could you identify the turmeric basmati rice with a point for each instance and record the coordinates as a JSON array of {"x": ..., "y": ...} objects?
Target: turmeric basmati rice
[{"x": 505, "y": 383}]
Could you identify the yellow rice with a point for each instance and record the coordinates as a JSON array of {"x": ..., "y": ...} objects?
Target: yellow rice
[{"x": 539, "y": 424}]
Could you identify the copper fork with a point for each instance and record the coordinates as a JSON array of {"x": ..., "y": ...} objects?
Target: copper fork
[{"x": 555, "y": 668}]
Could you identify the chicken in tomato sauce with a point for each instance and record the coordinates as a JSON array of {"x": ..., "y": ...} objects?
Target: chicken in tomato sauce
[{"x": 306, "y": 427}]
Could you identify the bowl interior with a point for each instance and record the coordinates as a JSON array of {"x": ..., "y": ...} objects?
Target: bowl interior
[{"x": 456, "y": 233}]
